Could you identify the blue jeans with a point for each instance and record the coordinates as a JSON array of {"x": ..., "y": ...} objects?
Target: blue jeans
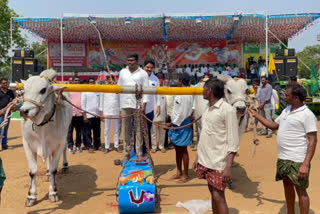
[{"x": 4, "y": 130}]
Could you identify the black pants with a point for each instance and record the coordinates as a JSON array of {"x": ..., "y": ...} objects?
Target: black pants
[
  {"x": 94, "y": 125},
  {"x": 76, "y": 123}
]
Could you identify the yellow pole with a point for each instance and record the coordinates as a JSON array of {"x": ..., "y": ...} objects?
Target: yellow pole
[{"x": 124, "y": 89}]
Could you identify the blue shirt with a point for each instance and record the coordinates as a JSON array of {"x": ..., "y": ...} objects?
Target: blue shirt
[{"x": 265, "y": 95}]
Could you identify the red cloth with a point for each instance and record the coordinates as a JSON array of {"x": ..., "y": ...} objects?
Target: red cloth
[{"x": 214, "y": 177}]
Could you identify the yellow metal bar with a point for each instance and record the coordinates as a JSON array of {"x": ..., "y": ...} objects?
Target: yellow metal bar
[{"x": 127, "y": 89}]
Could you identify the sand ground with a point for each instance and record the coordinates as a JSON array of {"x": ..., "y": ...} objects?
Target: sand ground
[{"x": 92, "y": 177}]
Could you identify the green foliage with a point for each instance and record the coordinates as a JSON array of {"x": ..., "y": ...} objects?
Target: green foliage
[
  {"x": 18, "y": 41},
  {"x": 308, "y": 55},
  {"x": 40, "y": 53}
]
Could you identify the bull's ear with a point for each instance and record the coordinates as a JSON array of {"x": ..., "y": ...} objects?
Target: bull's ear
[
  {"x": 223, "y": 78},
  {"x": 23, "y": 82},
  {"x": 56, "y": 88}
]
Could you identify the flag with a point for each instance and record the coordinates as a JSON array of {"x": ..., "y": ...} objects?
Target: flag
[
  {"x": 272, "y": 66},
  {"x": 314, "y": 85}
]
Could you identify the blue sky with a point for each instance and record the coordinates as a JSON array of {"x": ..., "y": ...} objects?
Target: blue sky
[{"x": 54, "y": 8}]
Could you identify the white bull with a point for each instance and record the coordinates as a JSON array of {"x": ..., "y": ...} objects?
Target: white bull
[
  {"x": 236, "y": 94},
  {"x": 44, "y": 129}
]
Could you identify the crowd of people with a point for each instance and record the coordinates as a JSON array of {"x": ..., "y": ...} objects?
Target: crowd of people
[{"x": 219, "y": 137}]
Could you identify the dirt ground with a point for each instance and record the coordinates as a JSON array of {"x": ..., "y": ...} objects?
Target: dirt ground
[{"x": 92, "y": 177}]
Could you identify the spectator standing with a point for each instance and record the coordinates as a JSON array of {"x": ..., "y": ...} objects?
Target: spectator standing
[
  {"x": 130, "y": 76},
  {"x": 218, "y": 144},
  {"x": 6, "y": 96},
  {"x": 181, "y": 138},
  {"x": 90, "y": 102},
  {"x": 153, "y": 99},
  {"x": 110, "y": 107},
  {"x": 77, "y": 120},
  {"x": 296, "y": 141},
  {"x": 264, "y": 104}
]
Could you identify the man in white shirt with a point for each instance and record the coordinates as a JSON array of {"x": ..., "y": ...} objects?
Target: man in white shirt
[
  {"x": 296, "y": 140},
  {"x": 153, "y": 99},
  {"x": 218, "y": 144},
  {"x": 181, "y": 138},
  {"x": 188, "y": 70},
  {"x": 110, "y": 107},
  {"x": 160, "y": 120},
  {"x": 130, "y": 76},
  {"x": 90, "y": 102}
]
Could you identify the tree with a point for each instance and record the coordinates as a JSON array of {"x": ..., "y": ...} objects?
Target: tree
[
  {"x": 308, "y": 55},
  {"x": 18, "y": 41},
  {"x": 40, "y": 53}
]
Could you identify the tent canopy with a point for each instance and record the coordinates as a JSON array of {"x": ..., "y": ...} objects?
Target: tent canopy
[{"x": 245, "y": 27}]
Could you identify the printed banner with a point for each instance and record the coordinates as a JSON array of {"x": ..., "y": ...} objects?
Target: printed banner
[
  {"x": 74, "y": 55},
  {"x": 170, "y": 53}
]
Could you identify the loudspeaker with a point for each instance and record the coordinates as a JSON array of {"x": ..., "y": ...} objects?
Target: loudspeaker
[
  {"x": 18, "y": 53},
  {"x": 17, "y": 69},
  {"x": 291, "y": 52},
  {"x": 279, "y": 52},
  {"x": 280, "y": 64},
  {"x": 30, "y": 67},
  {"x": 29, "y": 53},
  {"x": 291, "y": 66}
]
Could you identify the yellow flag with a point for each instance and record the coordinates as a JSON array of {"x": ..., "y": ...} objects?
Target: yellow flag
[{"x": 272, "y": 66}]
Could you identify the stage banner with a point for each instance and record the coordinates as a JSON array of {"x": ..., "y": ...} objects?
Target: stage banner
[
  {"x": 256, "y": 50},
  {"x": 169, "y": 53},
  {"x": 74, "y": 55}
]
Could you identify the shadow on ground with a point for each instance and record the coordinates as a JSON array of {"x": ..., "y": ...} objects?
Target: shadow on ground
[
  {"x": 75, "y": 187},
  {"x": 243, "y": 185}
]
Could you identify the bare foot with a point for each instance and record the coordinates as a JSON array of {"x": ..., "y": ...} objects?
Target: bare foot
[
  {"x": 176, "y": 176},
  {"x": 183, "y": 179}
]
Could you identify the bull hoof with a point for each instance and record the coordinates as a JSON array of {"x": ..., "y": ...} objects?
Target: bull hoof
[
  {"x": 30, "y": 202},
  {"x": 65, "y": 170},
  {"x": 53, "y": 198}
]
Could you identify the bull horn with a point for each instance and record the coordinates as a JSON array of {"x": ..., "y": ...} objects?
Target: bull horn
[
  {"x": 49, "y": 74},
  {"x": 223, "y": 78}
]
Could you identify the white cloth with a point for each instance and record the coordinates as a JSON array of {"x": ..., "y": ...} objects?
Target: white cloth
[
  {"x": 263, "y": 71},
  {"x": 188, "y": 70},
  {"x": 225, "y": 72},
  {"x": 90, "y": 102},
  {"x": 109, "y": 104},
  {"x": 200, "y": 74},
  {"x": 182, "y": 109},
  {"x": 107, "y": 130},
  {"x": 163, "y": 109},
  {"x": 128, "y": 78},
  {"x": 170, "y": 102},
  {"x": 214, "y": 73},
  {"x": 153, "y": 99},
  {"x": 158, "y": 131},
  {"x": 204, "y": 70},
  {"x": 293, "y": 127},
  {"x": 219, "y": 135},
  {"x": 274, "y": 99},
  {"x": 179, "y": 70}
]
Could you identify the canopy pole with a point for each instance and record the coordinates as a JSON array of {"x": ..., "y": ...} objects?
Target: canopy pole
[
  {"x": 61, "y": 51},
  {"x": 267, "y": 48},
  {"x": 11, "y": 44}
]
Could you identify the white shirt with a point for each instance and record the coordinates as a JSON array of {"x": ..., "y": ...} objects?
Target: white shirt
[
  {"x": 179, "y": 70},
  {"x": 225, "y": 72},
  {"x": 153, "y": 82},
  {"x": 200, "y": 74},
  {"x": 163, "y": 109},
  {"x": 182, "y": 108},
  {"x": 90, "y": 102},
  {"x": 263, "y": 71},
  {"x": 293, "y": 127},
  {"x": 165, "y": 70},
  {"x": 188, "y": 70},
  {"x": 219, "y": 135},
  {"x": 214, "y": 73},
  {"x": 204, "y": 70},
  {"x": 128, "y": 78},
  {"x": 170, "y": 101},
  {"x": 110, "y": 104},
  {"x": 274, "y": 99}
]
